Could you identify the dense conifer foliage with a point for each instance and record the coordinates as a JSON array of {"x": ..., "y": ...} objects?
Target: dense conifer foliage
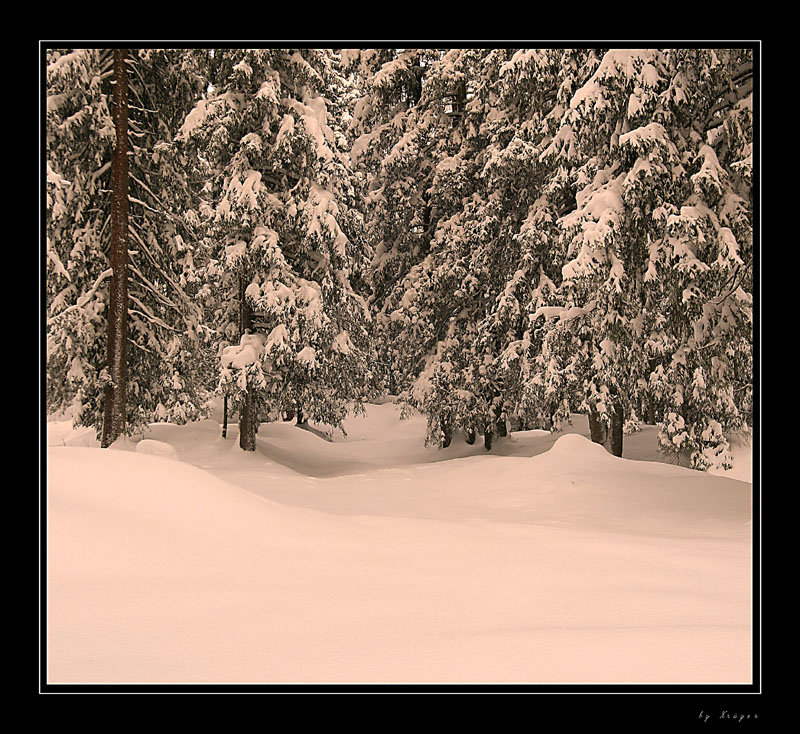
[{"x": 497, "y": 238}]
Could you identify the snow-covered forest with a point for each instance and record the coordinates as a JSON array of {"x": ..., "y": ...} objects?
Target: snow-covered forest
[{"x": 399, "y": 364}]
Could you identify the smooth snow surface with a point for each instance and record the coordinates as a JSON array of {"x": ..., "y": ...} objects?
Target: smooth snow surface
[
  {"x": 156, "y": 448},
  {"x": 374, "y": 559}
]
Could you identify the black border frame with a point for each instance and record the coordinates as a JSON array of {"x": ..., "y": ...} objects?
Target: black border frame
[{"x": 684, "y": 702}]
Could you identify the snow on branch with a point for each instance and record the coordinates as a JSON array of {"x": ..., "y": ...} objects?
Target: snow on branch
[{"x": 84, "y": 299}]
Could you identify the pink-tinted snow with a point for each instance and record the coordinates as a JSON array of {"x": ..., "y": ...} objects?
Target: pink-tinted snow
[{"x": 374, "y": 559}]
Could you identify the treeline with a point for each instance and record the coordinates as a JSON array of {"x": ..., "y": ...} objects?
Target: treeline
[{"x": 499, "y": 237}]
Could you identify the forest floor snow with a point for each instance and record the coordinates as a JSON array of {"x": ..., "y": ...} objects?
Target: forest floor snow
[{"x": 371, "y": 558}]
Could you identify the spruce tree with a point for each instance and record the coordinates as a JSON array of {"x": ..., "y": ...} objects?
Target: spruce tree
[
  {"x": 654, "y": 274},
  {"x": 165, "y": 378},
  {"x": 282, "y": 241},
  {"x": 80, "y": 141},
  {"x": 465, "y": 302},
  {"x": 700, "y": 276},
  {"x": 394, "y": 137}
]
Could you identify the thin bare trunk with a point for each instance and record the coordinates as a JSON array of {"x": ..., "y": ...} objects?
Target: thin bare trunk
[
  {"x": 248, "y": 419},
  {"x": 225, "y": 416},
  {"x": 615, "y": 437}
]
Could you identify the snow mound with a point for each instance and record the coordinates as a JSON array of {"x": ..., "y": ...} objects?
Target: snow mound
[
  {"x": 156, "y": 448},
  {"x": 577, "y": 446}
]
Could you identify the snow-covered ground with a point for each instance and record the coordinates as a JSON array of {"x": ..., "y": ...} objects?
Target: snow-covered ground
[{"x": 179, "y": 558}]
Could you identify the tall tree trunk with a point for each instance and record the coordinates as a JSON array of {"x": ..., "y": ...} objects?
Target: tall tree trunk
[
  {"x": 616, "y": 432},
  {"x": 597, "y": 429},
  {"x": 301, "y": 419},
  {"x": 225, "y": 416},
  {"x": 248, "y": 420},
  {"x": 488, "y": 439},
  {"x": 116, "y": 392}
]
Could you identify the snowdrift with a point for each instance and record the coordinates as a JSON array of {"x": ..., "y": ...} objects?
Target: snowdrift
[{"x": 566, "y": 566}]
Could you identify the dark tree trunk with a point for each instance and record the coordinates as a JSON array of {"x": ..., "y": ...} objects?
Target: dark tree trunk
[
  {"x": 248, "y": 426},
  {"x": 116, "y": 392},
  {"x": 248, "y": 420},
  {"x": 245, "y": 314},
  {"x": 616, "y": 432},
  {"x": 415, "y": 84},
  {"x": 502, "y": 428},
  {"x": 469, "y": 435},
  {"x": 650, "y": 405},
  {"x": 301, "y": 419},
  {"x": 597, "y": 429},
  {"x": 488, "y": 439},
  {"x": 447, "y": 433},
  {"x": 225, "y": 417}
]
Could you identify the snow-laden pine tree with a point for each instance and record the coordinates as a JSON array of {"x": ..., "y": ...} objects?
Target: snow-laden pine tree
[
  {"x": 562, "y": 190},
  {"x": 173, "y": 380},
  {"x": 700, "y": 275},
  {"x": 533, "y": 87},
  {"x": 465, "y": 302},
  {"x": 80, "y": 141},
  {"x": 394, "y": 141},
  {"x": 283, "y": 238},
  {"x": 417, "y": 184},
  {"x": 620, "y": 166},
  {"x": 653, "y": 300},
  {"x": 164, "y": 379}
]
